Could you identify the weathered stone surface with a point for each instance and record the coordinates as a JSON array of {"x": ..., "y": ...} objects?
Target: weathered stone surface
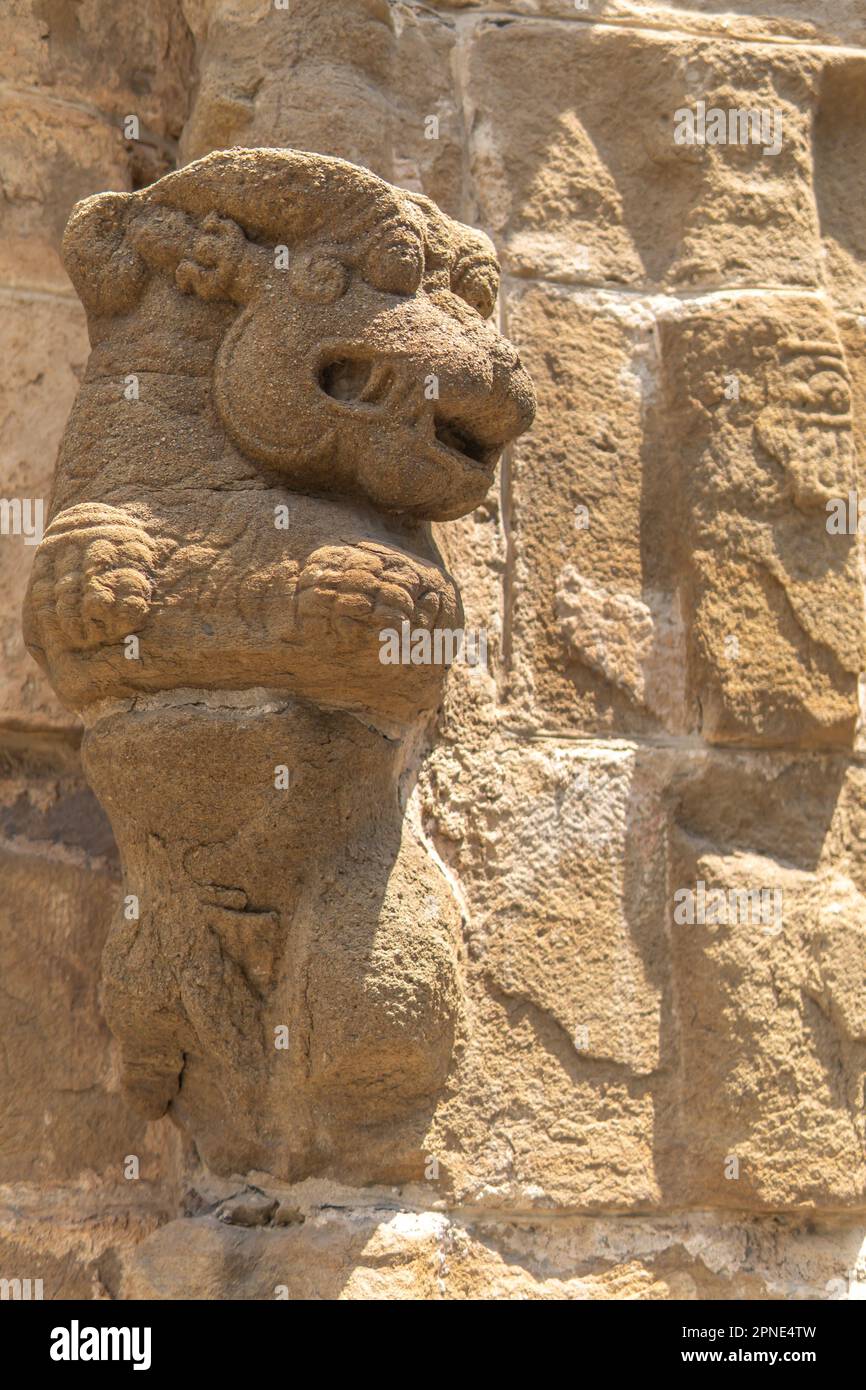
[
  {"x": 840, "y": 177},
  {"x": 580, "y": 185},
  {"x": 43, "y": 344},
  {"x": 51, "y": 155},
  {"x": 596, "y": 636},
  {"x": 852, "y": 331},
  {"x": 827, "y": 22},
  {"x": 368, "y": 1006},
  {"x": 54, "y": 1235},
  {"x": 758, "y": 403},
  {"x": 558, "y": 854},
  {"x": 594, "y": 1064},
  {"x": 120, "y": 60},
  {"x": 386, "y": 1251},
  {"x": 61, "y": 1114},
  {"x": 832, "y": 21},
  {"x": 386, "y": 68},
  {"x": 724, "y": 428},
  {"x": 782, "y": 1098}
]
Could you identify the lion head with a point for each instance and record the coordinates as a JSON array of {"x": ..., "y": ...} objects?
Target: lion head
[{"x": 358, "y": 357}]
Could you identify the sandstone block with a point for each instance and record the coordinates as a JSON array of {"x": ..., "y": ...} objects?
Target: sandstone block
[
  {"x": 369, "y": 1249},
  {"x": 62, "y": 1114},
  {"x": 758, "y": 399},
  {"x": 577, "y": 185},
  {"x": 840, "y": 177},
  {"x": 559, "y": 856},
  {"x": 688, "y": 561},
  {"x": 54, "y": 1238},
  {"x": 98, "y": 54},
  {"x": 51, "y": 155},
  {"x": 630, "y": 1040},
  {"x": 825, "y": 23},
  {"x": 44, "y": 349},
  {"x": 767, "y": 943},
  {"x": 387, "y": 71},
  {"x": 596, "y": 636}
]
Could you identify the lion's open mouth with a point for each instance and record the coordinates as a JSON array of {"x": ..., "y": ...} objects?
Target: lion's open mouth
[
  {"x": 458, "y": 439},
  {"x": 365, "y": 383}
]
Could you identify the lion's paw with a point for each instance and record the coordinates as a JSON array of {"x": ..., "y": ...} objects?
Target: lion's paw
[
  {"x": 342, "y": 588},
  {"x": 92, "y": 583}
]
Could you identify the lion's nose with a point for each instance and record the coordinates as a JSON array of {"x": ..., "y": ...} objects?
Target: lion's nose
[
  {"x": 455, "y": 307},
  {"x": 514, "y": 397},
  {"x": 489, "y": 417}
]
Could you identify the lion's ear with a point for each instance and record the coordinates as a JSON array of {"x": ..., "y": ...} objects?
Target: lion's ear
[
  {"x": 103, "y": 265},
  {"x": 114, "y": 241}
]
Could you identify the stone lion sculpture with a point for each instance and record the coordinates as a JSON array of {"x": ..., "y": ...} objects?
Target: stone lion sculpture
[{"x": 292, "y": 373}]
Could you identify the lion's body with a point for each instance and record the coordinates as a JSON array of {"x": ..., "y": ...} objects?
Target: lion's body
[{"x": 241, "y": 509}]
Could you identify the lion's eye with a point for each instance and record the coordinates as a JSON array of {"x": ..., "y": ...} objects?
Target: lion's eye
[
  {"x": 828, "y": 391},
  {"x": 319, "y": 277},
  {"x": 396, "y": 267}
]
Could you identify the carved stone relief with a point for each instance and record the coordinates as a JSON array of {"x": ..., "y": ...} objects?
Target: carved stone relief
[{"x": 292, "y": 373}]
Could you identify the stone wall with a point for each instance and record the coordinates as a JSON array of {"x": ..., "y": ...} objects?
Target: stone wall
[{"x": 646, "y": 1106}]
